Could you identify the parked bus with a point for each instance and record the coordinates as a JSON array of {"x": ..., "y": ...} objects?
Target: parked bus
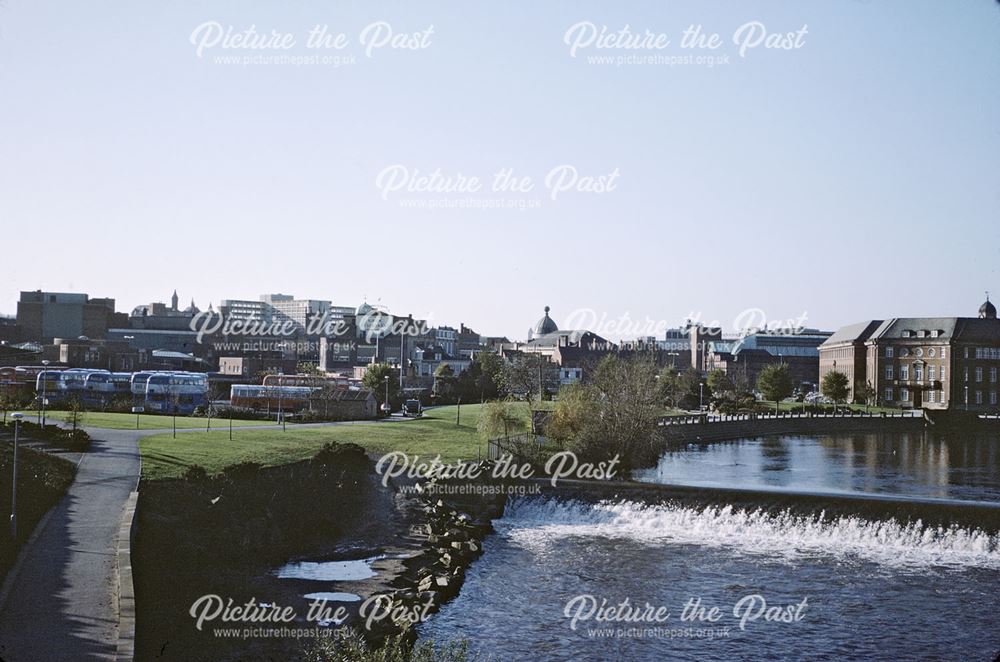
[
  {"x": 272, "y": 398},
  {"x": 176, "y": 392}
]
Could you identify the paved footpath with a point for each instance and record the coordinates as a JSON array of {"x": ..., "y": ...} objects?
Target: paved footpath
[{"x": 62, "y": 602}]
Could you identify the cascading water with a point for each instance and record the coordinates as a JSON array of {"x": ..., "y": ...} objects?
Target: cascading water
[{"x": 785, "y": 537}]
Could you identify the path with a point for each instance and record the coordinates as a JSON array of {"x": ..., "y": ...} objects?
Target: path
[{"x": 61, "y": 601}]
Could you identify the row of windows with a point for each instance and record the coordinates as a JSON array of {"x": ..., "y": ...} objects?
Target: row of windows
[
  {"x": 938, "y": 397},
  {"x": 904, "y": 395},
  {"x": 989, "y": 353},
  {"x": 933, "y": 372},
  {"x": 977, "y": 397},
  {"x": 917, "y": 351},
  {"x": 979, "y": 375}
]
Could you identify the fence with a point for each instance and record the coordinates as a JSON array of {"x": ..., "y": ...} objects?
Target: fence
[
  {"x": 524, "y": 447},
  {"x": 787, "y": 415}
]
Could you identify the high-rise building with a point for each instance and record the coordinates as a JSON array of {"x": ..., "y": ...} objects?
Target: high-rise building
[{"x": 43, "y": 316}]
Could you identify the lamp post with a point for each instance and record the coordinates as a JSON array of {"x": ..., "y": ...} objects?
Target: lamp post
[
  {"x": 281, "y": 407},
  {"x": 41, "y": 420},
  {"x": 386, "y": 407},
  {"x": 701, "y": 396},
  {"x": 17, "y": 416}
]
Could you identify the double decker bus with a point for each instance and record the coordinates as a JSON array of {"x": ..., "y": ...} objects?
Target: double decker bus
[{"x": 176, "y": 392}]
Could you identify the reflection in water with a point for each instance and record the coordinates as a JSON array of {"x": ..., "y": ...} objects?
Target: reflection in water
[{"x": 926, "y": 464}]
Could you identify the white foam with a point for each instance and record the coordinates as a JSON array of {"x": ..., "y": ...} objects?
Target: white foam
[{"x": 537, "y": 523}]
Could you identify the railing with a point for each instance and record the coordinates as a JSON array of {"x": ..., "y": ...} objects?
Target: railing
[
  {"x": 524, "y": 447},
  {"x": 726, "y": 418}
]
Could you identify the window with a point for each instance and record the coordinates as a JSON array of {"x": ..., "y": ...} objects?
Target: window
[
  {"x": 904, "y": 372},
  {"x": 931, "y": 352},
  {"x": 942, "y": 352},
  {"x": 888, "y": 395},
  {"x": 918, "y": 370},
  {"x": 930, "y": 396},
  {"x": 993, "y": 397},
  {"x": 904, "y": 394},
  {"x": 993, "y": 375},
  {"x": 931, "y": 372},
  {"x": 979, "y": 397},
  {"x": 979, "y": 374},
  {"x": 904, "y": 352},
  {"x": 919, "y": 351},
  {"x": 888, "y": 352},
  {"x": 888, "y": 371},
  {"x": 942, "y": 373}
]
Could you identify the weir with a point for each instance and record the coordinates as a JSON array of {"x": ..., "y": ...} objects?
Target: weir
[{"x": 973, "y": 515}]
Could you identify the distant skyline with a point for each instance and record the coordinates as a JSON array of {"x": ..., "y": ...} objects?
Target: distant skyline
[{"x": 851, "y": 178}]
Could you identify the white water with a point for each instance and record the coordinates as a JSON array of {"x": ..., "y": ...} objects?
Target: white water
[{"x": 535, "y": 523}]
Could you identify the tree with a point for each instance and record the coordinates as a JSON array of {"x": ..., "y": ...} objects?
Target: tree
[
  {"x": 75, "y": 412},
  {"x": 694, "y": 392},
  {"x": 573, "y": 413},
  {"x": 719, "y": 382},
  {"x": 670, "y": 387},
  {"x": 307, "y": 368},
  {"x": 529, "y": 375},
  {"x": 485, "y": 375},
  {"x": 6, "y": 403},
  {"x": 500, "y": 418},
  {"x": 374, "y": 380},
  {"x": 836, "y": 386},
  {"x": 867, "y": 394},
  {"x": 614, "y": 414},
  {"x": 444, "y": 383},
  {"x": 775, "y": 383}
]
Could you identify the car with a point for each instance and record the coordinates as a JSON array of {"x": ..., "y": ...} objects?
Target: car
[{"x": 412, "y": 408}]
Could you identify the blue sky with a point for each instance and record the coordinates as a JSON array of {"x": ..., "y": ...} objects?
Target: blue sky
[{"x": 853, "y": 177}]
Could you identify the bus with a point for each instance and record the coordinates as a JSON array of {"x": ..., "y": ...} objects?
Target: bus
[
  {"x": 272, "y": 398},
  {"x": 176, "y": 392}
]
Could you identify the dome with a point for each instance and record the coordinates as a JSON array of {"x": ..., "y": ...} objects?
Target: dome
[
  {"x": 987, "y": 311},
  {"x": 545, "y": 325}
]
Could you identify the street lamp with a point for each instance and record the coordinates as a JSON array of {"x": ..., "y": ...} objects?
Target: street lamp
[
  {"x": 386, "y": 407},
  {"x": 281, "y": 409},
  {"x": 41, "y": 422},
  {"x": 17, "y": 416},
  {"x": 701, "y": 396}
]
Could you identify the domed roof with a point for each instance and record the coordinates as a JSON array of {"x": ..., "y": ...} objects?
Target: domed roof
[
  {"x": 988, "y": 310},
  {"x": 545, "y": 325}
]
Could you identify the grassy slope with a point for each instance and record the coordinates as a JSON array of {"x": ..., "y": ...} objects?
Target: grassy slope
[
  {"x": 146, "y": 421},
  {"x": 435, "y": 433}
]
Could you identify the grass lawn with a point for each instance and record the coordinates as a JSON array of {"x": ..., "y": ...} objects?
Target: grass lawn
[
  {"x": 113, "y": 421},
  {"x": 434, "y": 434}
]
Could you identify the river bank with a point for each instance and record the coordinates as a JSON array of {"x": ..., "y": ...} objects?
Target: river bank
[{"x": 322, "y": 529}]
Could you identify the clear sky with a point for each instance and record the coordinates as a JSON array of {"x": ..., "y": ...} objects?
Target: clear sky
[{"x": 852, "y": 177}]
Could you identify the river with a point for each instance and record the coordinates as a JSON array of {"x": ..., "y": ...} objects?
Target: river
[{"x": 850, "y": 588}]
